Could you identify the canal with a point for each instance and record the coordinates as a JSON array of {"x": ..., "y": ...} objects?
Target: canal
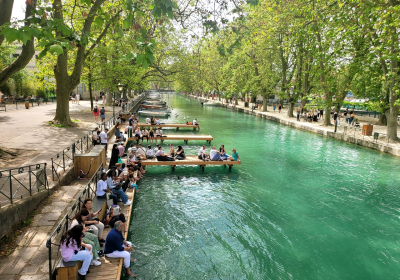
[{"x": 300, "y": 206}]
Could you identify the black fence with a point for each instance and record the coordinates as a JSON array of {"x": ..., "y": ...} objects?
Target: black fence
[
  {"x": 53, "y": 242},
  {"x": 17, "y": 183},
  {"x": 65, "y": 158},
  {"x": 125, "y": 109}
]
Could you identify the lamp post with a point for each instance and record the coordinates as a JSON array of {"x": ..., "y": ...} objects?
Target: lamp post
[{"x": 120, "y": 88}]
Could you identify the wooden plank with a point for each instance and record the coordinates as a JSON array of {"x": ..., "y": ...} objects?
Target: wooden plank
[
  {"x": 190, "y": 160},
  {"x": 168, "y": 125},
  {"x": 184, "y": 137}
]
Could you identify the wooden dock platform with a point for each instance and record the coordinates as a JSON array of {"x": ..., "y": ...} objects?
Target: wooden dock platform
[
  {"x": 184, "y": 137},
  {"x": 190, "y": 160},
  {"x": 111, "y": 269},
  {"x": 173, "y": 125}
]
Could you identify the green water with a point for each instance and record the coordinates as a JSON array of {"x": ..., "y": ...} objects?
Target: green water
[{"x": 300, "y": 206}]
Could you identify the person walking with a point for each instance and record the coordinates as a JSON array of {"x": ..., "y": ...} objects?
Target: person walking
[
  {"x": 274, "y": 107},
  {"x": 298, "y": 114},
  {"x": 78, "y": 97},
  {"x": 103, "y": 96},
  {"x": 279, "y": 108},
  {"x": 96, "y": 113},
  {"x": 102, "y": 114}
]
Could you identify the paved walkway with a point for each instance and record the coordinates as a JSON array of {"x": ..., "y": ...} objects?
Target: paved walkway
[
  {"x": 283, "y": 115},
  {"x": 29, "y": 129}
]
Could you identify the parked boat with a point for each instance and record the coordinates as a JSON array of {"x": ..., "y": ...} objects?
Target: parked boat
[
  {"x": 152, "y": 106},
  {"x": 148, "y": 113}
]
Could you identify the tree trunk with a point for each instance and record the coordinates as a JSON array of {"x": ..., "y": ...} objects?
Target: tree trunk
[
  {"x": 63, "y": 90},
  {"x": 382, "y": 117},
  {"x": 129, "y": 92},
  {"x": 290, "y": 109},
  {"x": 90, "y": 85},
  {"x": 236, "y": 100},
  {"x": 391, "y": 116},
  {"x": 265, "y": 103},
  {"x": 124, "y": 96},
  {"x": 109, "y": 98},
  {"x": 327, "y": 120}
]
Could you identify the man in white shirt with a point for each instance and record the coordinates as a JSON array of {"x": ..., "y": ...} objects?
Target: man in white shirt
[
  {"x": 145, "y": 134},
  {"x": 159, "y": 134},
  {"x": 147, "y": 120},
  {"x": 196, "y": 123},
  {"x": 104, "y": 138},
  {"x": 202, "y": 153},
  {"x": 214, "y": 154},
  {"x": 149, "y": 153},
  {"x": 141, "y": 152}
]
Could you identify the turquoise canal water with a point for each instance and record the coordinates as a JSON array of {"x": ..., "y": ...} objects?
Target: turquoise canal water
[{"x": 300, "y": 206}]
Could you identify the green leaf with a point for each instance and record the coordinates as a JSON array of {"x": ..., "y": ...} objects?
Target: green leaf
[
  {"x": 126, "y": 24},
  {"x": 25, "y": 37},
  {"x": 56, "y": 49},
  {"x": 99, "y": 21},
  {"x": 11, "y": 34},
  {"x": 120, "y": 32}
]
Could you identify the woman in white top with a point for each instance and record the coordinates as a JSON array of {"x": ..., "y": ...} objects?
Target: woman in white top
[
  {"x": 77, "y": 98},
  {"x": 158, "y": 134},
  {"x": 89, "y": 238}
]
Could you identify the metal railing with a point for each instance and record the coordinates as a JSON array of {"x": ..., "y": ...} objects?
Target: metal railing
[
  {"x": 64, "y": 158},
  {"x": 53, "y": 242},
  {"x": 376, "y": 137},
  {"x": 127, "y": 108},
  {"x": 19, "y": 182}
]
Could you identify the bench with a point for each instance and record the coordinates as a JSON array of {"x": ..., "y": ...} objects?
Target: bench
[
  {"x": 3, "y": 106},
  {"x": 68, "y": 270}
]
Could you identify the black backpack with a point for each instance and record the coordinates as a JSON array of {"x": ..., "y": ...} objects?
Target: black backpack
[{"x": 95, "y": 110}]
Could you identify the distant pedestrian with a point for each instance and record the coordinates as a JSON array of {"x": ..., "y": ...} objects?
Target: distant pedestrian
[
  {"x": 279, "y": 108},
  {"x": 96, "y": 99},
  {"x": 96, "y": 113},
  {"x": 103, "y": 96},
  {"x": 103, "y": 114},
  {"x": 298, "y": 114},
  {"x": 73, "y": 95},
  {"x": 78, "y": 97},
  {"x": 274, "y": 107},
  {"x": 321, "y": 113}
]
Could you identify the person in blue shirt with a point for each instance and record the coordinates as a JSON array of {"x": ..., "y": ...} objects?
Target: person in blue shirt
[
  {"x": 117, "y": 247},
  {"x": 235, "y": 155}
]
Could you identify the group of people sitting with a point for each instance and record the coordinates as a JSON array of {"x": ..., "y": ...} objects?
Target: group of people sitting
[
  {"x": 219, "y": 155},
  {"x": 83, "y": 240}
]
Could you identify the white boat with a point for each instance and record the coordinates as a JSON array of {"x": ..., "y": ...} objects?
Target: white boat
[
  {"x": 148, "y": 113},
  {"x": 210, "y": 104}
]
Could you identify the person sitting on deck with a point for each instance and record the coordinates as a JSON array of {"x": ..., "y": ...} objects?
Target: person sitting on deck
[
  {"x": 196, "y": 123},
  {"x": 145, "y": 134},
  {"x": 171, "y": 151},
  {"x": 95, "y": 225},
  {"x": 118, "y": 133},
  {"x": 235, "y": 155},
  {"x": 113, "y": 183},
  {"x": 215, "y": 155},
  {"x": 158, "y": 134},
  {"x": 153, "y": 121},
  {"x": 223, "y": 153},
  {"x": 141, "y": 152},
  {"x": 163, "y": 157},
  {"x": 117, "y": 247},
  {"x": 158, "y": 121},
  {"x": 147, "y": 120},
  {"x": 180, "y": 153},
  {"x": 110, "y": 218},
  {"x": 70, "y": 247},
  {"x": 138, "y": 134},
  {"x": 149, "y": 153},
  {"x": 202, "y": 153},
  {"x": 121, "y": 149},
  {"x": 102, "y": 189},
  {"x": 89, "y": 237}
]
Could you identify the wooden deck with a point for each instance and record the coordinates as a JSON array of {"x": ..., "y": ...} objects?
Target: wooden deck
[
  {"x": 173, "y": 125},
  {"x": 190, "y": 160},
  {"x": 184, "y": 137},
  {"x": 111, "y": 269}
]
